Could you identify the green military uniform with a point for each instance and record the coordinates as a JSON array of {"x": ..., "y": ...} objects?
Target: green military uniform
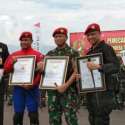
[
  {"x": 120, "y": 95},
  {"x": 66, "y": 102}
]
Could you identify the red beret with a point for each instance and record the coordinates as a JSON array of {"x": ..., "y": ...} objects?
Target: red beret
[
  {"x": 25, "y": 35},
  {"x": 92, "y": 27},
  {"x": 60, "y": 30}
]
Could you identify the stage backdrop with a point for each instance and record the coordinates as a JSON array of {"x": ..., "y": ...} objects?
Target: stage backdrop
[{"x": 115, "y": 38}]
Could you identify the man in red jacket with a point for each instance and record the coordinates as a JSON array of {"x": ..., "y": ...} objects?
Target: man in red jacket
[{"x": 26, "y": 95}]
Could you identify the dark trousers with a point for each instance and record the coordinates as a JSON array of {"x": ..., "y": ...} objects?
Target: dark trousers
[
  {"x": 1, "y": 102},
  {"x": 100, "y": 106}
]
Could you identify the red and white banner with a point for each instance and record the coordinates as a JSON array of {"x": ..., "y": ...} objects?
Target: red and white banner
[{"x": 115, "y": 38}]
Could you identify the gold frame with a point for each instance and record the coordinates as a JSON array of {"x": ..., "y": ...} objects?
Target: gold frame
[
  {"x": 30, "y": 82},
  {"x": 50, "y": 59}
]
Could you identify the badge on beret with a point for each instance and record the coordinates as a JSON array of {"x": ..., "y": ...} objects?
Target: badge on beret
[
  {"x": 62, "y": 31},
  {"x": 26, "y": 34},
  {"x": 1, "y": 61},
  {"x": 93, "y": 27}
]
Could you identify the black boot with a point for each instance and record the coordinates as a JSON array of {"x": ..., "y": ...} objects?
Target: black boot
[
  {"x": 18, "y": 118},
  {"x": 34, "y": 118}
]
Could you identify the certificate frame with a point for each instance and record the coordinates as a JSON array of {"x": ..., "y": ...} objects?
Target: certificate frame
[
  {"x": 55, "y": 70},
  {"x": 90, "y": 81},
  {"x": 1, "y": 73},
  {"x": 25, "y": 65}
]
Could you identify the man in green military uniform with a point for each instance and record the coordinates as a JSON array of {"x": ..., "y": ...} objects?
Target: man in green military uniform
[{"x": 64, "y": 98}]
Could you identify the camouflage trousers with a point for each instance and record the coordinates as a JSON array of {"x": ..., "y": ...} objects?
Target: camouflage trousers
[{"x": 62, "y": 103}]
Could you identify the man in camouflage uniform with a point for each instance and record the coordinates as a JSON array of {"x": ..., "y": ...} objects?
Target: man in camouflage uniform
[
  {"x": 120, "y": 95},
  {"x": 100, "y": 104},
  {"x": 64, "y": 98}
]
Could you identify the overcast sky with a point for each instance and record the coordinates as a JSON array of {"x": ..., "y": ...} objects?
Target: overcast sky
[{"x": 19, "y": 15}]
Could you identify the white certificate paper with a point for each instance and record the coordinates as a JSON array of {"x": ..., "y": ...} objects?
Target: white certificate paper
[
  {"x": 90, "y": 80},
  {"x": 1, "y": 73},
  {"x": 86, "y": 78},
  {"x": 55, "y": 70},
  {"x": 96, "y": 73},
  {"x": 23, "y": 71}
]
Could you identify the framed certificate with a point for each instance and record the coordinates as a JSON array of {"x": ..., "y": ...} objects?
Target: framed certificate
[
  {"x": 23, "y": 73},
  {"x": 55, "y": 70},
  {"x": 1, "y": 73},
  {"x": 90, "y": 81}
]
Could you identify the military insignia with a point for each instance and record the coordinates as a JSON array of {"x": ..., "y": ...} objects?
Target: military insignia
[
  {"x": 62, "y": 31},
  {"x": 1, "y": 49},
  {"x": 93, "y": 27},
  {"x": 1, "y": 61}
]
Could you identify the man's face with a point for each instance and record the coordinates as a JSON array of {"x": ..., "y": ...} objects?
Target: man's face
[
  {"x": 25, "y": 43},
  {"x": 60, "y": 39},
  {"x": 94, "y": 37}
]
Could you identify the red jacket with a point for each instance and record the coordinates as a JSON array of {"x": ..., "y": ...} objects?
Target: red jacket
[{"x": 8, "y": 65}]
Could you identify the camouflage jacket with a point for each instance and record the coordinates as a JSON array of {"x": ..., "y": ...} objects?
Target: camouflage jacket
[{"x": 72, "y": 54}]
